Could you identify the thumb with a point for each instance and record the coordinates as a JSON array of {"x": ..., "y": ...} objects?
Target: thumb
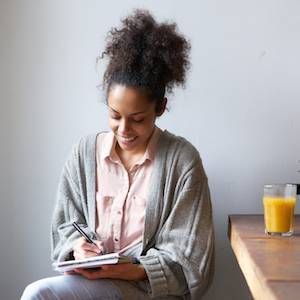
[{"x": 100, "y": 246}]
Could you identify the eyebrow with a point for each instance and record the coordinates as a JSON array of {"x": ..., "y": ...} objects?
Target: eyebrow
[{"x": 133, "y": 114}]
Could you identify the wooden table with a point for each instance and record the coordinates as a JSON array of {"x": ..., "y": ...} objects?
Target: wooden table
[{"x": 271, "y": 265}]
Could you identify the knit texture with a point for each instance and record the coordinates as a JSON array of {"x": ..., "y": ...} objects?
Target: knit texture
[{"x": 178, "y": 242}]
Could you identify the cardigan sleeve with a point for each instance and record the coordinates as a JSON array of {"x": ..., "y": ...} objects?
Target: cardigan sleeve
[
  {"x": 182, "y": 258},
  {"x": 68, "y": 208}
]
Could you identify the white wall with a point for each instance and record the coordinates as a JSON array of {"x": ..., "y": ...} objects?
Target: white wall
[
  {"x": 240, "y": 109},
  {"x": 5, "y": 199}
]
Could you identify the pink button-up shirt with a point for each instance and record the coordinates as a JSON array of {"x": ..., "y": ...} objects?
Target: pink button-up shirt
[{"x": 121, "y": 196}]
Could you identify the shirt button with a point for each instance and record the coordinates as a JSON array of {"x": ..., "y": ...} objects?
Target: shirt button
[
  {"x": 116, "y": 239},
  {"x": 119, "y": 212}
]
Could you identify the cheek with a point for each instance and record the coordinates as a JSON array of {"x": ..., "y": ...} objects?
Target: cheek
[
  {"x": 146, "y": 130},
  {"x": 113, "y": 124}
]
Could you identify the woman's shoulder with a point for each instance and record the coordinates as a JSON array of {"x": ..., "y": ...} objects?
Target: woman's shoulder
[
  {"x": 86, "y": 144},
  {"x": 178, "y": 145},
  {"x": 180, "y": 154}
]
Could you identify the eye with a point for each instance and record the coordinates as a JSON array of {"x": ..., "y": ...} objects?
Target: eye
[
  {"x": 115, "y": 117},
  {"x": 138, "y": 120}
]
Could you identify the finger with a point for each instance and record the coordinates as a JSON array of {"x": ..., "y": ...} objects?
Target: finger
[
  {"x": 100, "y": 246},
  {"x": 90, "y": 247},
  {"x": 83, "y": 254},
  {"x": 84, "y": 246},
  {"x": 83, "y": 243},
  {"x": 69, "y": 273},
  {"x": 109, "y": 267}
]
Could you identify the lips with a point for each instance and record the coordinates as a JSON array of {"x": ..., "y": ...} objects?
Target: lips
[{"x": 126, "y": 140}]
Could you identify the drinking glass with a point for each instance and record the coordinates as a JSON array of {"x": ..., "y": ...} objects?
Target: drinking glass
[{"x": 279, "y": 202}]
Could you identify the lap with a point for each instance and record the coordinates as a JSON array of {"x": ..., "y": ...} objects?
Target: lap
[{"x": 76, "y": 287}]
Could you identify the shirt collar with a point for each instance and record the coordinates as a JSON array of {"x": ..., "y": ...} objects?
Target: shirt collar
[
  {"x": 109, "y": 146},
  {"x": 151, "y": 147}
]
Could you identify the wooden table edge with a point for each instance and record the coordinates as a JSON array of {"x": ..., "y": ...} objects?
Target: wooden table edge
[{"x": 256, "y": 283}]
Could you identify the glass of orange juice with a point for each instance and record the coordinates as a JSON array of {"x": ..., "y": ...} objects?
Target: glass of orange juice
[{"x": 279, "y": 202}]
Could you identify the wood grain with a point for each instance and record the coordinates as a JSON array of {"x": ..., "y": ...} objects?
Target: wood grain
[{"x": 271, "y": 265}]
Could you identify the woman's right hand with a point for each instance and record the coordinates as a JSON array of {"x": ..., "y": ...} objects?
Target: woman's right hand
[{"x": 82, "y": 249}]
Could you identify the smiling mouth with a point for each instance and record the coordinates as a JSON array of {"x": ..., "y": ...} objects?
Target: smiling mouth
[{"x": 127, "y": 140}]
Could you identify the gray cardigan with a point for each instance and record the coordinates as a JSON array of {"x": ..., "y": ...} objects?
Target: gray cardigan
[{"x": 178, "y": 242}]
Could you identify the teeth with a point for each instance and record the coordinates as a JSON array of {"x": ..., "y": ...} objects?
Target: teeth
[{"x": 127, "y": 139}]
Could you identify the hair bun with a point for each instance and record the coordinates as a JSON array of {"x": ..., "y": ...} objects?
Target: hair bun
[{"x": 147, "y": 54}]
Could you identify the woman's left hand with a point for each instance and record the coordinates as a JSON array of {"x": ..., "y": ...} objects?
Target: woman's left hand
[{"x": 120, "y": 271}]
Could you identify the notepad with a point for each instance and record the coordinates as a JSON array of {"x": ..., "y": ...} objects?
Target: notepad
[{"x": 92, "y": 262}]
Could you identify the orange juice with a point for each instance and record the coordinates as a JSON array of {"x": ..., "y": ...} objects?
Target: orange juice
[{"x": 279, "y": 213}]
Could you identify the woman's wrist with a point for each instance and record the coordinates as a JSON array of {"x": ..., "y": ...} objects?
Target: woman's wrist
[{"x": 141, "y": 273}]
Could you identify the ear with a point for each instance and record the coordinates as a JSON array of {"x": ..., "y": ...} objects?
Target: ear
[{"x": 161, "y": 107}]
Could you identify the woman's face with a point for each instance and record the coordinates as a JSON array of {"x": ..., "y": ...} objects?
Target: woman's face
[{"x": 131, "y": 117}]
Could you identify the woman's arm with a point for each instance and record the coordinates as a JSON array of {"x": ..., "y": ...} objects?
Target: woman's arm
[
  {"x": 181, "y": 257},
  {"x": 129, "y": 271},
  {"x": 68, "y": 208}
]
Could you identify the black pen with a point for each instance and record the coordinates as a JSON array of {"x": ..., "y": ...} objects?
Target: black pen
[{"x": 88, "y": 239}]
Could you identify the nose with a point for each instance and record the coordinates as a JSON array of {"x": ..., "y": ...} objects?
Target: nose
[{"x": 124, "y": 126}]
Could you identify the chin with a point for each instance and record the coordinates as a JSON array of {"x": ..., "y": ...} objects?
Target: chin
[{"x": 128, "y": 145}]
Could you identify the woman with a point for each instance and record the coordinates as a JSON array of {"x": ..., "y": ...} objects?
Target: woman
[{"x": 137, "y": 190}]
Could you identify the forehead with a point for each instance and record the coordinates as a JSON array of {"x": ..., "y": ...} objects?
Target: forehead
[{"x": 124, "y": 98}]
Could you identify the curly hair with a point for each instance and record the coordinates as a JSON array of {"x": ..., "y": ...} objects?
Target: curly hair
[{"x": 147, "y": 55}]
